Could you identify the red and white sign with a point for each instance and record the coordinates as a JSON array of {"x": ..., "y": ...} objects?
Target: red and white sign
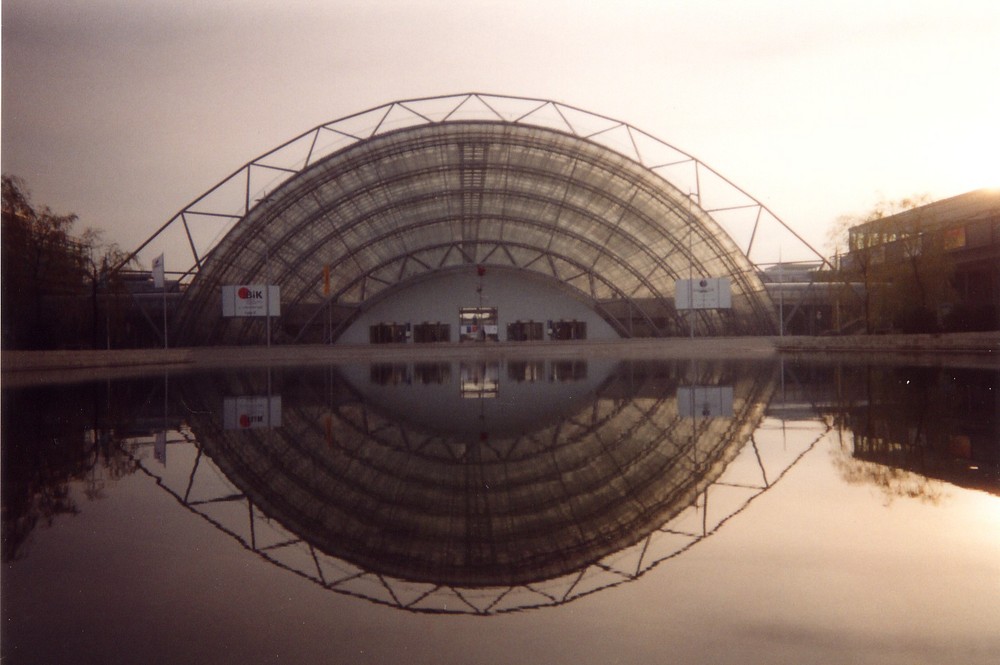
[
  {"x": 251, "y": 300},
  {"x": 251, "y": 412}
]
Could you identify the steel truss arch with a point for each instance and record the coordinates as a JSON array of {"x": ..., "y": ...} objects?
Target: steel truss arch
[{"x": 358, "y": 194}]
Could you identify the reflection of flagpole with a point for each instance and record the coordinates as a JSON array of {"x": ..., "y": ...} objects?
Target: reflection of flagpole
[
  {"x": 160, "y": 443},
  {"x": 267, "y": 289}
]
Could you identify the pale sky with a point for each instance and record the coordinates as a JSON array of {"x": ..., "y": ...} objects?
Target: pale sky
[{"x": 124, "y": 111}]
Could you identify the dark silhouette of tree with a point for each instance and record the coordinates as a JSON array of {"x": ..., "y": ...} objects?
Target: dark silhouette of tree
[
  {"x": 907, "y": 429},
  {"x": 896, "y": 272},
  {"x": 59, "y": 450},
  {"x": 100, "y": 264},
  {"x": 41, "y": 263},
  {"x": 51, "y": 279}
]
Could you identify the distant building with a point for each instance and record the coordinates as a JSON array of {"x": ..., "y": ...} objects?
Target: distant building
[
  {"x": 965, "y": 229},
  {"x": 804, "y": 294}
]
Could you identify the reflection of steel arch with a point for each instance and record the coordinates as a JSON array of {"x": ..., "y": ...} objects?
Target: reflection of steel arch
[
  {"x": 607, "y": 494},
  {"x": 425, "y": 185}
]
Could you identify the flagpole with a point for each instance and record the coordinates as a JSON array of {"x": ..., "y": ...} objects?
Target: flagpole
[{"x": 165, "y": 314}]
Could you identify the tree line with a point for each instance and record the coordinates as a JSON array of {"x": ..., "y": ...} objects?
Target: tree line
[
  {"x": 57, "y": 289},
  {"x": 896, "y": 277}
]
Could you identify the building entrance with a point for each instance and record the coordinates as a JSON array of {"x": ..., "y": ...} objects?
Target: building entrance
[{"x": 478, "y": 324}]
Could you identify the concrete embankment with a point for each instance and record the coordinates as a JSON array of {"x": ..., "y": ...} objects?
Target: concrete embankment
[
  {"x": 32, "y": 367},
  {"x": 91, "y": 358},
  {"x": 21, "y": 367},
  {"x": 987, "y": 343}
]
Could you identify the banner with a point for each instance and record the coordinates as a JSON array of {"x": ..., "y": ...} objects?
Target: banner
[
  {"x": 158, "y": 277},
  {"x": 251, "y": 300}
]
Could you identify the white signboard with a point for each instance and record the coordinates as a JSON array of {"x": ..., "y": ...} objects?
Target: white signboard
[
  {"x": 158, "y": 274},
  {"x": 250, "y": 300},
  {"x": 705, "y": 401},
  {"x": 703, "y": 293},
  {"x": 251, "y": 412}
]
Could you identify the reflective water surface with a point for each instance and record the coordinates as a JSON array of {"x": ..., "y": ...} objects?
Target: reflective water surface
[{"x": 494, "y": 511}]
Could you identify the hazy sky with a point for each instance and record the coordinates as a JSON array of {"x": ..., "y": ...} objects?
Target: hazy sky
[{"x": 123, "y": 111}]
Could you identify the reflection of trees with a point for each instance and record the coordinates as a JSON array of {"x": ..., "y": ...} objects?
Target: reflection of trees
[
  {"x": 55, "y": 437},
  {"x": 903, "y": 267},
  {"x": 910, "y": 427},
  {"x": 893, "y": 482}
]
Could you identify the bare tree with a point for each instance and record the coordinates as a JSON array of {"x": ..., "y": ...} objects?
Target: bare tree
[
  {"x": 895, "y": 271},
  {"x": 41, "y": 260},
  {"x": 48, "y": 275}
]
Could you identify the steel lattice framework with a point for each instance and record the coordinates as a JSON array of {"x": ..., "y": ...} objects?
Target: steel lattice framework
[{"x": 380, "y": 198}]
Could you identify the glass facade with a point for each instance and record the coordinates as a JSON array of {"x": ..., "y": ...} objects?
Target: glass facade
[{"x": 440, "y": 196}]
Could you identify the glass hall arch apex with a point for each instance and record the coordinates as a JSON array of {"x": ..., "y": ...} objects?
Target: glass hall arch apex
[{"x": 365, "y": 206}]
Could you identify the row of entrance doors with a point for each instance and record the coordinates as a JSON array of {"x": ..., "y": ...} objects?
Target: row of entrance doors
[{"x": 476, "y": 324}]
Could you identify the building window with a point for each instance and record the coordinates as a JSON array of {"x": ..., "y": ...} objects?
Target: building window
[
  {"x": 568, "y": 330},
  {"x": 954, "y": 238},
  {"x": 425, "y": 333},
  {"x": 388, "y": 333},
  {"x": 525, "y": 331}
]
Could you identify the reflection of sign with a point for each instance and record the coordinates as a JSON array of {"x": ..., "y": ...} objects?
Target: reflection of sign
[
  {"x": 250, "y": 300},
  {"x": 703, "y": 293},
  {"x": 705, "y": 401},
  {"x": 251, "y": 412}
]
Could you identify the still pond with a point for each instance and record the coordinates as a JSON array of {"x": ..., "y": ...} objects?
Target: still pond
[{"x": 506, "y": 511}]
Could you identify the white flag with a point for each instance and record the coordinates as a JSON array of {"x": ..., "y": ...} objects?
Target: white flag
[{"x": 158, "y": 272}]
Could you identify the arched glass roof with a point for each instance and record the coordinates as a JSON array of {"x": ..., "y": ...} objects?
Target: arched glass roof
[{"x": 450, "y": 183}]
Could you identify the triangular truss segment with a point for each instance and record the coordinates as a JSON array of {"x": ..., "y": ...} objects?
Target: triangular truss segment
[{"x": 235, "y": 195}]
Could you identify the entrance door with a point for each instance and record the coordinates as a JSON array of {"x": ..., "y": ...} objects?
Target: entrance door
[{"x": 478, "y": 324}]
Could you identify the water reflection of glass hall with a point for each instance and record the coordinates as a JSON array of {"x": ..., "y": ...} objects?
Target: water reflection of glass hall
[{"x": 409, "y": 471}]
